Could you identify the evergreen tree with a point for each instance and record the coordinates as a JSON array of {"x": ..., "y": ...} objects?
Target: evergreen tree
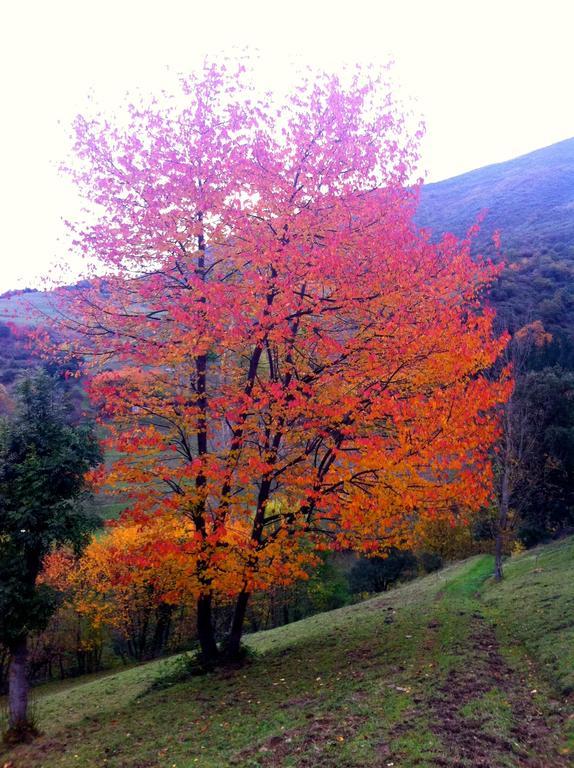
[{"x": 43, "y": 460}]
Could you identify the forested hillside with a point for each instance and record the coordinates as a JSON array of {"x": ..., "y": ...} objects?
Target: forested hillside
[{"x": 530, "y": 201}]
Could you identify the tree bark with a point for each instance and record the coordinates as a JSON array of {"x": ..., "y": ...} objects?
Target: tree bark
[
  {"x": 162, "y": 629},
  {"x": 205, "y": 631},
  {"x": 498, "y": 572},
  {"x": 233, "y": 644},
  {"x": 502, "y": 522},
  {"x": 18, "y": 686}
]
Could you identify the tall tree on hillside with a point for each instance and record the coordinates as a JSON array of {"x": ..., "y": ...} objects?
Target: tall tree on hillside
[
  {"x": 518, "y": 444},
  {"x": 284, "y": 361},
  {"x": 43, "y": 460},
  {"x": 536, "y": 462}
]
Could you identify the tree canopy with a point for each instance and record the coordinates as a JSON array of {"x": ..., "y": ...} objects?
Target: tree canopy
[{"x": 284, "y": 362}]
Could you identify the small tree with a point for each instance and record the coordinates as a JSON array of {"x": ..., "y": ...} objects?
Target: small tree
[
  {"x": 43, "y": 460},
  {"x": 115, "y": 584}
]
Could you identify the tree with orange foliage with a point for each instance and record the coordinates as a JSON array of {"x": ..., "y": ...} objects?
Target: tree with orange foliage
[
  {"x": 122, "y": 584},
  {"x": 284, "y": 361}
]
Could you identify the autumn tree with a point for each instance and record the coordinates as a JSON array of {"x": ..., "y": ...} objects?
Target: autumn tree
[
  {"x": 116, "y": 585},
  {"x": 283, "y": 360},
  {"x": 454, "y": 537},
  {"x": 43, "y": 460}
]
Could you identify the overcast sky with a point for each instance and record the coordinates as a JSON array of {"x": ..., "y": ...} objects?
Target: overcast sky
[{"x": 492, "y": 80}]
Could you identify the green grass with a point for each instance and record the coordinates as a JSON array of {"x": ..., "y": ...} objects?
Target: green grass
[
  {"x": 534, "y": 606},
  {"x": 415, "y": 677},
  {"x": 533, "y": 610}
]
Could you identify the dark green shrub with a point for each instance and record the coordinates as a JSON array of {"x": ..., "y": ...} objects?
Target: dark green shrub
[{"x": 377, "y": 574}]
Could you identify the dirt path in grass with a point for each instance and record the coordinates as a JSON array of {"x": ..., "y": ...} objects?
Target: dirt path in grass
[{"x": 485, "y": 714}]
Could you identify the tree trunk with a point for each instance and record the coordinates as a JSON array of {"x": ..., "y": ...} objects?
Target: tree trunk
[
  {"x": 498, "y": 573},
  {"x": 233, "y": 644},
  {"x": 502, "y": 522},
  {"x": 18, "y": 687},
  {"x": 205, "y": 632},
  {"x": 162, "y": 629}
]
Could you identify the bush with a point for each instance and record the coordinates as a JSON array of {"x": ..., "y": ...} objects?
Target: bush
[
  {"x": 376, "y": 574},
  {"x": 430, "y": 562}
]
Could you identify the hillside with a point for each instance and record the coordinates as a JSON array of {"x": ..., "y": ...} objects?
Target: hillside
[
  {"x": 530, "y": 201},
  {"x": 29, "y": 307},
  {"x": 450, "y": 670},
  {"x": 18, "y": 311}
]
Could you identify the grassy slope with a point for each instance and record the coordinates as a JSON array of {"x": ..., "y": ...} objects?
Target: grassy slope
[
  {"x": 27, "y": 308},
  {"x": 413, "y": 678},
  {"x": 534, "y": 607}
]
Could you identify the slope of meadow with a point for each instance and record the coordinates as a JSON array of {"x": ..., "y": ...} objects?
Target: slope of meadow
[{"x": 449, "y": 670}]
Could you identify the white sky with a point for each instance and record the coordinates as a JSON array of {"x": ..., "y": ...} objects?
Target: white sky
[{"x": 492, "y": 80}]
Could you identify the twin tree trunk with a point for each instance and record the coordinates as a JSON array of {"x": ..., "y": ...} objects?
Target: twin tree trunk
[
  {"x": 18, "y": 687},
  {"x": 206, "y": 632},
  {"x": 233, "y": 643},
  {"x": 205, "y": 629}
]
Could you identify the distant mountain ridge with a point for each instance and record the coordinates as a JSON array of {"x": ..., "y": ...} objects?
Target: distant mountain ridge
[{"x": 529, "y": 198}]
